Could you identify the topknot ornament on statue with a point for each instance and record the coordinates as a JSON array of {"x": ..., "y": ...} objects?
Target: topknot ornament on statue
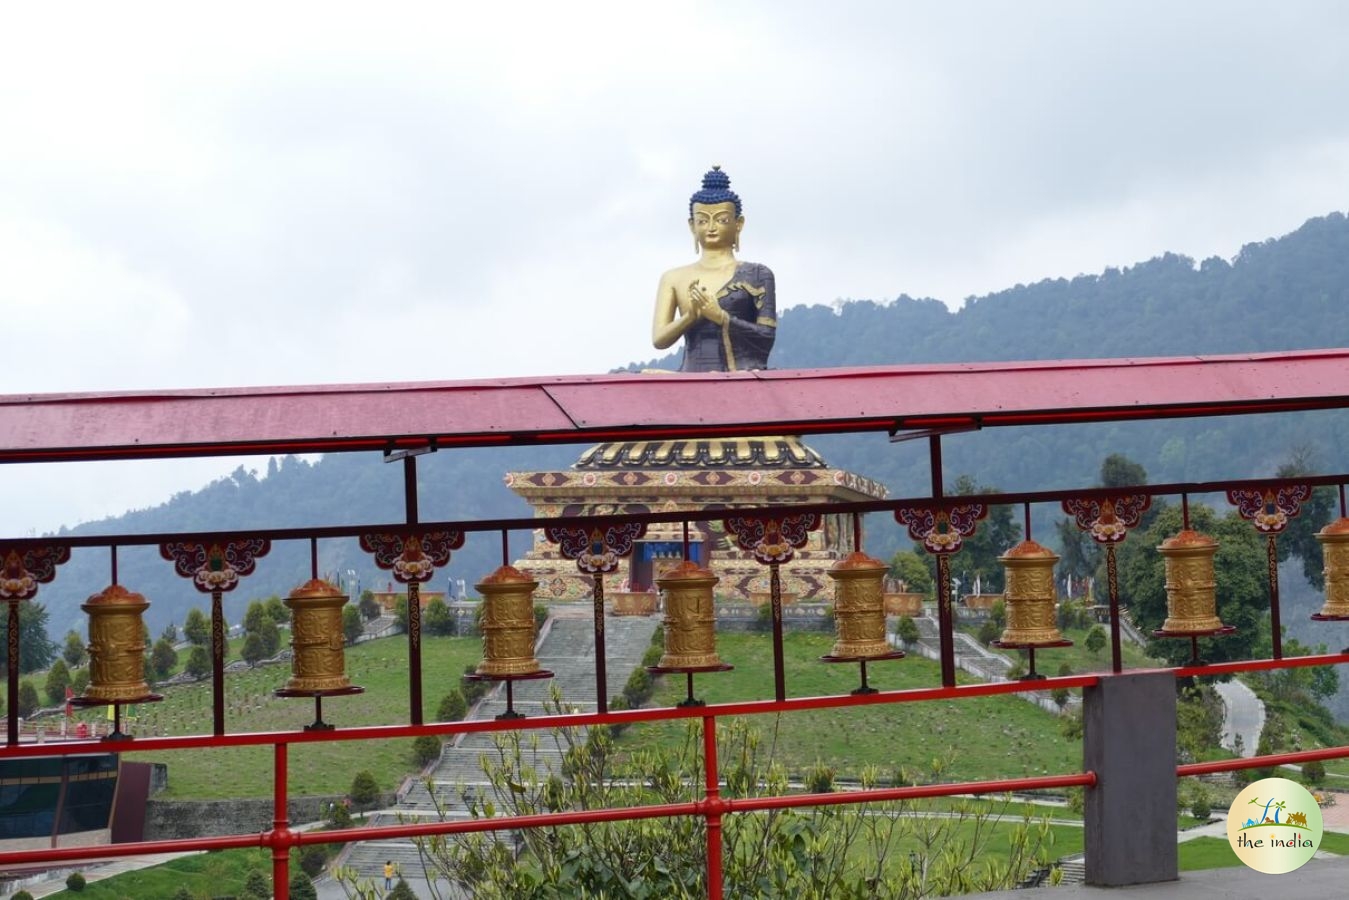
[{"x": 716, "y": 189}]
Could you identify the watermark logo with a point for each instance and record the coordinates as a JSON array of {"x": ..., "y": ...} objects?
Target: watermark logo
[{"x": 1274, "y": 825}]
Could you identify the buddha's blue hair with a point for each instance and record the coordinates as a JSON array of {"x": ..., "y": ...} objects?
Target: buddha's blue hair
[{"x": 716, "y": 189}]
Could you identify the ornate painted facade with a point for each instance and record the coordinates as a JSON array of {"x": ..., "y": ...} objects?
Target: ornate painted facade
[{"x": 724, "y": 474}]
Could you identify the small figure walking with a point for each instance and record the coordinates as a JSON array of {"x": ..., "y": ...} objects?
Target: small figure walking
[{"x": 388, "y": 874}]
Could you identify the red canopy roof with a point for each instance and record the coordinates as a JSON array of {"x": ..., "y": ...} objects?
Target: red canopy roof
[{"x": 577, "y": 409}]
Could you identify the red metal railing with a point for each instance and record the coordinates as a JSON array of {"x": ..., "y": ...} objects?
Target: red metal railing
[{"x": 712, "y": 807}]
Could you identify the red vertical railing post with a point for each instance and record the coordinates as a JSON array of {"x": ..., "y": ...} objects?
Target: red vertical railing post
[
  {"x": 12, "y": 673},
  {"x": 712, "y": 804},
  {"x": 601, "y": 664},
  {"x": 414, "y": 622},
  {"x": 1275, "y": 622},
  {"x": 1112, "y": 585},
  {"x": 779, "y": 664},
  {"x": 946, "y": 622},
  {"x": 217, "y": 663},
  {"x": 280, "y": 835}
]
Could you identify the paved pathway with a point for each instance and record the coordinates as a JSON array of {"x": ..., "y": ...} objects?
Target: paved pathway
[
  {"x": 1321, "y": 878},
  {"x": 1243, "y": 716}
]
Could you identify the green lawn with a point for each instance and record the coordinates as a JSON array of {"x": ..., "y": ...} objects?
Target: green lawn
[
  {"x": 206, "y": 875},
  {"x": 974, "y": 738},
  {"x": 1216, "y": 853},
  {"x": 378, "y": 666},
  {"x": 1079, "y": 658}
]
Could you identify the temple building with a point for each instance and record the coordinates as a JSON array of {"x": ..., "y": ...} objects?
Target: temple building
[{"x": 715, "y": 474}]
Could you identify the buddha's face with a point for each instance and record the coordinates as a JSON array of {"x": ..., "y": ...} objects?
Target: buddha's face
[{"x": 715, "y": 225}]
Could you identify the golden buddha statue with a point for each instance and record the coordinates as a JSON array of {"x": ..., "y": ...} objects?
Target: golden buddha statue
[{"x": 725, "y": 310}]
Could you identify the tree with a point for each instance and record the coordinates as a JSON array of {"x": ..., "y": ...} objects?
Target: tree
[
  {"x": 425, "y": 749},
  {"x": 994, "y": 536},
  {"x": 197, "y": 628},
  {"x": 271, "y": 636},
  {"x": 198, "y": 663},
  {"x": 401, "y": 891},
  {"x": 276, "y": 610},
  {"x": 1299, "y": 538},
  {"x": 437, "y": 619},
  {"x": 906, "y": 629},
  {"x": 364, "y": 789},
  {"x": 73, "y": 650},
  {"x": 254, "y": 650},
  {"x": 28, "y": 699},
  {"x": 58, "y": 679},
  {"x": 163, "y": 659},
  {"x": 1304, "y": 686},
  {"x": 369, "y": 606},
  {"x": 257, "y": 885},
  {"x": 1080, "y": 554},
  {"x": 352, "y": 626},
  {"x": 914, "y": 569},
  {"x": 170, "y": 633},
  {"x": 1095, "y": 641},
  {"x": 254, "y": 616},
  {"x": 261, "y": 637},
  {"x": 36, "y": 650},
  {"x": 453, "y": 707},
  {"x": 1119, "y": 471},
  {"x": 79, "y": 680},
  {"x": 301, "y": 888}
]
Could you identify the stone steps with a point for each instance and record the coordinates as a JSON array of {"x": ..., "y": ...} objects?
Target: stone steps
[{"x": 568, "y": 651}]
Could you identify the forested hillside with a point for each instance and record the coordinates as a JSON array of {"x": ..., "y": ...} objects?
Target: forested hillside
[{"x": 1289, "y": 293}]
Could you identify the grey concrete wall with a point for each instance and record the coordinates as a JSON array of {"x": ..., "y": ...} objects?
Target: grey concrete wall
[
  {"x": 1129, "y": 741},
  {"x": 795, "y": 617},
  {"x": 169, "y": 819}
]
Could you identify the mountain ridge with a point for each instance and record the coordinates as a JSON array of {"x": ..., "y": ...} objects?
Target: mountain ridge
[{"x": 1286, "y": 293}]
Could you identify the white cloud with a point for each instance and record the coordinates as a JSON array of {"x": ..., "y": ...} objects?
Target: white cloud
[{"x": 304, "y": 192}]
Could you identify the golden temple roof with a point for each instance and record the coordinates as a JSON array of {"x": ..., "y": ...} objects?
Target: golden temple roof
[{"x": 778, "y": 452}]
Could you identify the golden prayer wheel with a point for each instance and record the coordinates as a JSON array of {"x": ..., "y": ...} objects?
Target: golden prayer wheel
[
  {"x": 508, "y": 623},
  {"x": 1031, "y": 599},
  {"x": 690, "y": 622},
  {"x": 1191, "y": 586},
  {"x": 1334, "y": 540},
  {"x": 317, "y": 661},
  {"x": 859, "y": 607},
  {"x": 116, "y": 646}
]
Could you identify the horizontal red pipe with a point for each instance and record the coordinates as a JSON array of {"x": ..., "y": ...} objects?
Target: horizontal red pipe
[
  {"x": 519, "y": 524},
  {"x": 911, "y": 792},
  {"x": 388, "y": 732},
  {"x": 697, "y": 807},
  {"x": 499, "y": 823},
  {"x": 742, "y": 708},
  {"x": 286, "y": 837},
  {"x": 1256, "y": 762},
  {"x": 1260, "y": 665},
  {"x": 143, "y": 848}
]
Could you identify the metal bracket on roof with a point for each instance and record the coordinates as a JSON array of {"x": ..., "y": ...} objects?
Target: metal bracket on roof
[
  {"x": 393, "y": 455},
  {"x": 898, "y": 434}
]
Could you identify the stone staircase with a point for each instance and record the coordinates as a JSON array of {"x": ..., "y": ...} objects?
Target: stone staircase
[
  {"x": 567, "y": 649},
  {"x": 980, "y": 661},
  {"x": 1074, "y": 870}
]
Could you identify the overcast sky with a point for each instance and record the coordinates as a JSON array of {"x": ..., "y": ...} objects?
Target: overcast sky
[{"x": 310, "y": 193}]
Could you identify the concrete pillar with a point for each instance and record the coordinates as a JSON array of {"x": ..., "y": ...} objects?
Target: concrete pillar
[{"x": 1129, "y": 741}]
